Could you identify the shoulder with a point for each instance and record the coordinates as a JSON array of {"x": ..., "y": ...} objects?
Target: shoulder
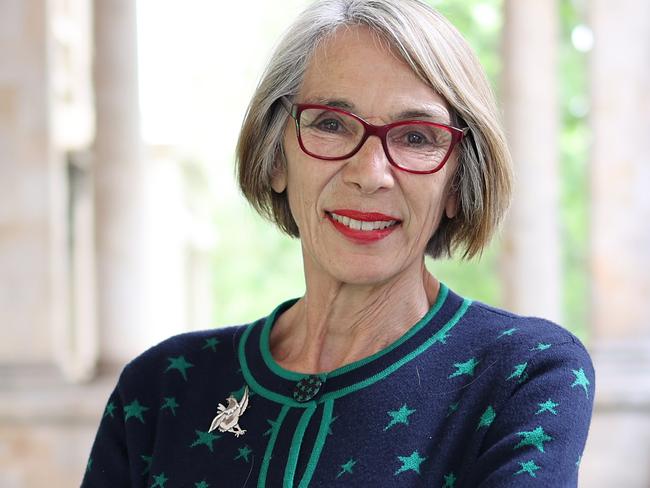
[
  {"x": 178, "y": 357},
  {"x": 513, "y": 334}
]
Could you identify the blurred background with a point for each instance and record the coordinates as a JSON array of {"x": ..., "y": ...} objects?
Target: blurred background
[{"x": 120, "y": 222}]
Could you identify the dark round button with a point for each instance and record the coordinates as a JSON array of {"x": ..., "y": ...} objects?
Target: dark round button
[{"x": 307, "y": 388}]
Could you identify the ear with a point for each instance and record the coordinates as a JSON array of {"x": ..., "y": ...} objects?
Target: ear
[
  {"x": 279, "y": 178},
  {"x": 451, "y": 206}
]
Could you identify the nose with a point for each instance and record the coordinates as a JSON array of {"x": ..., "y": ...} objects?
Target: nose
[{"x": 369, "y": 169}]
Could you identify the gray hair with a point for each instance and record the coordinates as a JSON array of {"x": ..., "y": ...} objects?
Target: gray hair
[{"x": 441, "y": 57}]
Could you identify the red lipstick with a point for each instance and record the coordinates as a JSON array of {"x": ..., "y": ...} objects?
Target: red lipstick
[{"x": 362, "y": 236}]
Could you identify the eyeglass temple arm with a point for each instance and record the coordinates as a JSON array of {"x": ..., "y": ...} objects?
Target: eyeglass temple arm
[{"x": 288, "y": 106}]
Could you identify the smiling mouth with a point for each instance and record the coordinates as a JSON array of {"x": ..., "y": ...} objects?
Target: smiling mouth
[{"x": 362, "y": 221}]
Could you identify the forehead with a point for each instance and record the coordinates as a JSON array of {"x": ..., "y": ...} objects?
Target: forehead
[{"x": 360, "y": 67}]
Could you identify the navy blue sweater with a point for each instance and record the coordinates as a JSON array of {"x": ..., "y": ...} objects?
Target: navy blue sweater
[{"x": 470, "y": 396}]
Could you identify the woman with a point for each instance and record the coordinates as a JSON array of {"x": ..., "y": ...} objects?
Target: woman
[{"x": 373, "y": 137}]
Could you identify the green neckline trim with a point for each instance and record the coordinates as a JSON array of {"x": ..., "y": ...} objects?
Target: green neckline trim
[
  {"x": 255, "y": 386},
  {"x": 296, "y": 444},
  {"x": 294, "y": 376},
  {"x": 264, "y": 468},
  {"x": 440, "y": 336},
  {"x": 326, "y": 419}
]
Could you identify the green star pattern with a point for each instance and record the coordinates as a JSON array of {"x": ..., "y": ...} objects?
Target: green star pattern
[
  {"x": 581, "y": 380},
  {"x": 579, "y": 461},
  {"x": 400, "y": 416},
  {"x": 519, "y": 372},
  {"x": 205, "y": 439},
  {"x": 528, "y": 467},
  {"x": 159, "y": 480},
  {"x": 453, "y": 408},
  {"x": 487, "y": 418},
  {"x": 541, "y": 346},
  {"x": 201, "y": 484},
  {"x": 536, "y": 437},
  {"x": 244, "y": 452},
  {"x": 346, "y": 468},
  {"x": 110, "y": 408},
  {"x": 508, "y": 332},
  {"x": 180, "y": 364},
  {"x": 134, "y": 409},
  {"x": 450, "y": 480},
  {"x": 272, "y": 423},
  {"x": 410, "y": 463},
  {"x": 211, "y": 344},
  {"x": 548, "y": 406},
  {"x": 147, "y": 461},
  {"x": 170, "y": 403},
  {"x": 464, "y": 368}
]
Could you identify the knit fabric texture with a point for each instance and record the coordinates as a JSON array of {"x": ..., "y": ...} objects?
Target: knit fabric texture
[{"x": 471, "y": 396}]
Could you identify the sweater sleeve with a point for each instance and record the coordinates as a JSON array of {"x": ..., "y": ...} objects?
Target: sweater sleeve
[
  {"x": 108, "y": 464},
  {"x": 539, "y": 432}
]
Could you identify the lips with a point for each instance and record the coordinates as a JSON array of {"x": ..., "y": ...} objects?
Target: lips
[{"x": 362, "y": 227}]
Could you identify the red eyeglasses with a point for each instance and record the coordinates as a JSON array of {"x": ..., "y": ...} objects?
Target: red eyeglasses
[{"x": 333, "y": 134}]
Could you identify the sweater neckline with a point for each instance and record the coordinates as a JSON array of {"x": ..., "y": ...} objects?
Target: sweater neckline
[{"x": 268, "y": 378}]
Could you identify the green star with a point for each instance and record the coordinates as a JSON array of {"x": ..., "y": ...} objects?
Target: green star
[
  {"x": 581, "y": 380},
  {"x": 464, "y": 368},
  {"x": 159, "y": 480},
  {"x": 329, "y": 427},
  {"x": 535, "y": 438},
  {"x": 346, "y": 468},
  {"x": 134, "y": 409},
  {"x": 410, "y": 463},
  {"x": 487, "y": 418},
  {"x": 170, "y": 403},
  {"x": 89, "y": 465},
  {"x": 272, "y": 423},
  {"x": 110, "y": 408},
  {"x": 453, "y": 408},
  {"x": 450, "y": 480},
  {"x": 205, "y": 438},
  {"x": 179, "y": 364},
  {"x": 400, "y": 416},
  {"x": 244, "y": 452},
  {"x": 508, "y": 332},
  {"x": 211, "y": 343},
  {"x": 548, "y": 406},
  {"x": 147, "y": 461},
  {"x": 202, "y": 484},
  {"x": 579, "y": 461},
  {"x": 528, "y": 467},
  {"x": 541, "y": 347},
  {"x": 519, "y": 372}
]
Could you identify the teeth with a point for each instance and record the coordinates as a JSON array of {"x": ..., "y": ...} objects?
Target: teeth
[{"x": 363, "y": 225}]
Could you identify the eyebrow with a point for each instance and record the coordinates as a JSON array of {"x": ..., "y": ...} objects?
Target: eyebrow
[{"x": 436, "y": 113}]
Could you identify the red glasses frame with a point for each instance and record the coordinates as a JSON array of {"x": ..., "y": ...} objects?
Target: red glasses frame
[{"x": 295, "y": 109}]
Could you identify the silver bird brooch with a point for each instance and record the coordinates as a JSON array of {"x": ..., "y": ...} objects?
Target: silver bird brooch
[{"x": 227, "y": 419}]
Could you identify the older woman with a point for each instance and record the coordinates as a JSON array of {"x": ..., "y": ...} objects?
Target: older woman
[{"x": 373, "y": 137}]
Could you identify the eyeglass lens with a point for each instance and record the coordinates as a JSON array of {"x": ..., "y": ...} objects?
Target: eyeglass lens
[{"x": 413, "y": 145}]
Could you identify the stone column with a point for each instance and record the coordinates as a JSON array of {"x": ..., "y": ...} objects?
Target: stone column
[
  {"x": 531, "y": 269},
  {"x": 118, "y": 180},
  {"x": 619, "y": 258},
  {"x": 620, "y": 169}
]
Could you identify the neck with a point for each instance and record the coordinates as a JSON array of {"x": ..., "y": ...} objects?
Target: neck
[{"x": 335, "y": 324}]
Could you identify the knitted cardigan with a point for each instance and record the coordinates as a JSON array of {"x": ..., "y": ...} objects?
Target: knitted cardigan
[{"x": 471, "y": 396}]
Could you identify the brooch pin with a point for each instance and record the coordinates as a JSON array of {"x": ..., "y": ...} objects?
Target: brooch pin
[{"x": 227, "y": 419}]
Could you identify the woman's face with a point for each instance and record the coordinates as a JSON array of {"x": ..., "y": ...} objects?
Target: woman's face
[{"x": 356, "y": 70}]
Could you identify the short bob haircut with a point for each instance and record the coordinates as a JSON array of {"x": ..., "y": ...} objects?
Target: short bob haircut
[{"x": 441, "y": 57}]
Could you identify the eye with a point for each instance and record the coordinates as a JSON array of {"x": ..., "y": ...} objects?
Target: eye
[
  {"x": 415, "y": 138},
  {"x": 328, "y": 125}
]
